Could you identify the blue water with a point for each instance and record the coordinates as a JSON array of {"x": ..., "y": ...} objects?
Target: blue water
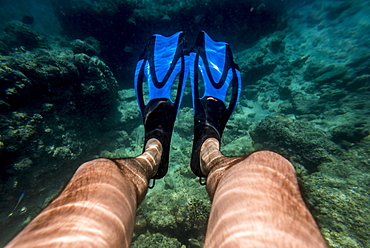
[{"x": 66, "y": 96}]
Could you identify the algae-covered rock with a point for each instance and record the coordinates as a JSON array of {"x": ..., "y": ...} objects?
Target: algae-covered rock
[
  {"x": 336, "y": 10},
  {"x": 304, "y": 104},
  {"x": 335, "y": 73},
  {"x": 89, "y": 46},
  {"x": 337, "y": 197},
  {"x": 361, "y": 82},
  {"x": 276, "y": 42},
  {"x": 19, "y": 35},
  {"x": 175, "y": 212},
  {"x": 256, "y": 63},
  {"x": 155, "y": 240},
  {"x": 296, "y": 140},
  {"x": 351, "y": 132},
  {"x": 4, "y": 49},
  {"x": 23, "y": 164},
  {"x": 52, "y": 76},
  {"x": 53, "y": 103},
  {"x": 315, "y": 70},
  {"x": 178, "y": 207},
  {"x": 361, "y": 56}
]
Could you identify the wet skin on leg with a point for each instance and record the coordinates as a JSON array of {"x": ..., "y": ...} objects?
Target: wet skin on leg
[
  {"x": 98, "y": 206},
  {"x": 256, "y": 202}
]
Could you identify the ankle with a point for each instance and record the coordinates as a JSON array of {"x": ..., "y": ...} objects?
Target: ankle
[
  {"x": 209, "y": 153},
  {"x": 139, "y": 170},
  {"x": 214, "y": 164},
  {"x": 150, "y": 159}
]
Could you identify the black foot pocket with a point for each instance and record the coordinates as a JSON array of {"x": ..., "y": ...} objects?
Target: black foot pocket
[{"x": 159, "y": 118}]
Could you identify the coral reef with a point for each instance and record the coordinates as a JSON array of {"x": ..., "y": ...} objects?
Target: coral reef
[
  {"x": 306, "y": 91},
  {"x": 55, "y": 106},
  {"x": 18, "y": 36},
  {"x": 307, "y": 101},
  {"x": 175, "y": 211},
  {"x": 40, "y": 89},
  {"x": 338, "y": 199},
  {"x": 155, "y": 240},
  {"x": 295, "y": 139}
]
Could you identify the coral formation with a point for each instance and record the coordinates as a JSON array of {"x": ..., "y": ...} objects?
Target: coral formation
[
  {"x": 295, "y": 139},
  {"x": 155, "y": 240},
  {"x": 305, "y": 95},
  {"x": 55, "y": 104}
]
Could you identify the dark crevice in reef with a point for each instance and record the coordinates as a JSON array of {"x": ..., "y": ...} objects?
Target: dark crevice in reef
[{"x": 123, "y": 27}]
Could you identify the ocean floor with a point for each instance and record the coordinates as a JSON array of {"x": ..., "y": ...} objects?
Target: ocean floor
[{"x": 306, "y": 95}]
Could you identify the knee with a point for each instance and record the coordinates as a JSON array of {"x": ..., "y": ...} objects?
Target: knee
[
  {"x": 100, "y": 164},
  {"x": 273, "y": 161}
]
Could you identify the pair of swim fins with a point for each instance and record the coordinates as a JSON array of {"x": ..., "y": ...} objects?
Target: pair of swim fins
[{"x": 213, "y": 76}]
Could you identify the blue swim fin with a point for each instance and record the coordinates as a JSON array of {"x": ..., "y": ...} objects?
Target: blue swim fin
[
  {"x": 162, "y": 61},
  {"x": 211, "y": 62}
]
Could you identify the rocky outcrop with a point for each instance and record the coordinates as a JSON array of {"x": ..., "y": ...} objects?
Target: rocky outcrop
[
  {"x": 53, "y": 101},
  {"x": 297, "y": 140}
]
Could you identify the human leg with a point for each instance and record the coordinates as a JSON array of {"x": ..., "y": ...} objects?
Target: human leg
[
  {"x": 98, "y": 206},
  {"x": 256, "y": 199},
  {"x": 256, "y": 202}
]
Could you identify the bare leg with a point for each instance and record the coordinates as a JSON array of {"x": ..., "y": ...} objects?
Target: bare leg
[
  {"x": 256, "y": 202},
  {"x": 98, "y": 206}
]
